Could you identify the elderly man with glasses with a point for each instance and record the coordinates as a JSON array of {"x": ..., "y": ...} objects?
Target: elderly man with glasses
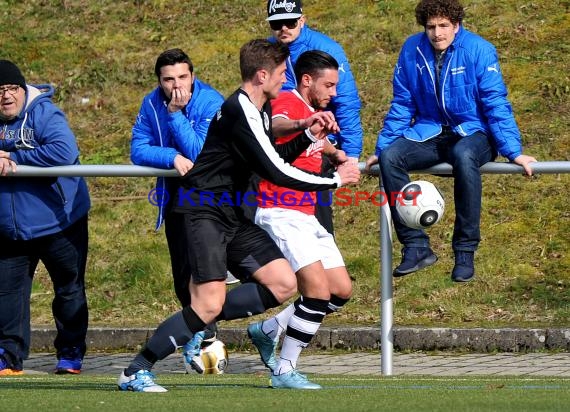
[
  {"x": 40, "y": 219},
  {"x": 288, "y": 26}
]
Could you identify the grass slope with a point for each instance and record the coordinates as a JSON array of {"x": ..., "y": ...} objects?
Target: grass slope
[{"x": 100, "y": 56}]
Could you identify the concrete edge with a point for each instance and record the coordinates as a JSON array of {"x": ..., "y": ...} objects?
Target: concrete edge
[{"x": 349, "y": 338}]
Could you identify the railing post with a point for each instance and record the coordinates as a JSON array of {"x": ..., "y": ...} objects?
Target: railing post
[{"x": 386, "y": 305}]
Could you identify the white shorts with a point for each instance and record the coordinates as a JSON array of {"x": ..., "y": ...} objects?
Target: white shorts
[{"x": 301, "y": 238}]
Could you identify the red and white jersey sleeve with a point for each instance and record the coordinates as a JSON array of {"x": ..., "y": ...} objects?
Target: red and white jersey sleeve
[{"x": 290, "y": 105}]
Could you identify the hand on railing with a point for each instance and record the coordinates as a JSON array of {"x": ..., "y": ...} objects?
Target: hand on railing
[
  {"x": 349, "y": 173},
  {"x": 182, "y": 164},
  {"x": 6, "y": 164},
  {"x": 371, "y": 161},
  {"x": 525, "y": 161}
]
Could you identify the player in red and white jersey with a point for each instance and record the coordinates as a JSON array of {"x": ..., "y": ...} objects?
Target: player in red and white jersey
[
  {"x": 290, "y": 105},
  {"x": 289, "y": 218}
]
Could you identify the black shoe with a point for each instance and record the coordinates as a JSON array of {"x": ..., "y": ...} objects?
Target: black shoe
[
  {"x": 413, "y": 259},
  {"x": 464, "y": 269}
]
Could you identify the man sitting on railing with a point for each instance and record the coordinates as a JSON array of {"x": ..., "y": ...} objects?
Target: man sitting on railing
[{"x": 450, "y": 105}]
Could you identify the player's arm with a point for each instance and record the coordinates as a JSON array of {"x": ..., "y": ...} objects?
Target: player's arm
[
  {"x": 317, "y": 126},
  {"x": 291, "y": 149},
  {"x": 256, "y": 149}
]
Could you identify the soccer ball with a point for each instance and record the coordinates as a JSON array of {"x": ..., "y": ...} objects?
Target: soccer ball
[
  {"x": 215, "y": 358},
  {"x": 420, "y": 205}
]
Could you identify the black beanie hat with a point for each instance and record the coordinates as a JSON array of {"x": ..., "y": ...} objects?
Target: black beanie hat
[{"x": 10, "y": 74}]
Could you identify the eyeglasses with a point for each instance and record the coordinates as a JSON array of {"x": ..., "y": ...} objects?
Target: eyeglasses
[
  {"x": 278, "y": 24},
  {"x": 10, "y": 90}
]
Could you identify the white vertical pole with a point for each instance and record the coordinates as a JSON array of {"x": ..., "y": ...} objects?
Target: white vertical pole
[{"x": 386, "y": 308}]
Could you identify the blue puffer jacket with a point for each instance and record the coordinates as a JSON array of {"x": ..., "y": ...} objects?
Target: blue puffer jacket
[
  {"x": 472, "y": 97},
  {"x": 346, "y": 104},
  {"x": 31, "y": 207},
  {"x": 158, "y": 136}
]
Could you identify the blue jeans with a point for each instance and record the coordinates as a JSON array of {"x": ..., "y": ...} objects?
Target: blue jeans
[
  {"x": 466, "y": 155},
  {"x": 64, "y": 256}
]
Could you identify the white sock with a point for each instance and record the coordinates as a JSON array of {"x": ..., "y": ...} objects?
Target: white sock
[
  {"x": 275, "y": 326},
  {"x": 302, "y": 326}
]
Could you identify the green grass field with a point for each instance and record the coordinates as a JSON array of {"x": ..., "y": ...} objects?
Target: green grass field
[
  {"x": 250, "y": 393},
  {"x": 100, "y": 55}
]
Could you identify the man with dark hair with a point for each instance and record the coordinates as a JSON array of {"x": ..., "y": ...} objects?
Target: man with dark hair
[
  {"x": 216, "y": 233},
  {"x": 288, "y": 26},
  {"x": 41, "y": 218},
  {"x": 289, "y": 217},
  {"x": 450, "y": 105},
  {"x": 169, "y": 132}
]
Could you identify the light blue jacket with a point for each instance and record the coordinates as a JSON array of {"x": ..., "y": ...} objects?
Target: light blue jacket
[
  {"x": 472, "y": 96},
  {"x": 346, "y": 104},
  {"x": 158, "y": 136},
  {"x": 31, "y": 207}
]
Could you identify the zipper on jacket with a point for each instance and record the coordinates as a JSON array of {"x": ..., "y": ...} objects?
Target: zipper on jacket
[
  {"x": 60, "y": 192},
  {"x": 431, "y": 76},
  {"x": 15, "y": 221},
  {"x": 449, "y": 118},
  {"x": 440, "y": 103}
]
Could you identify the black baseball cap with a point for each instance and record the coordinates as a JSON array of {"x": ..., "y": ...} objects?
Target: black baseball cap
[{"x": 284, "y": 9}]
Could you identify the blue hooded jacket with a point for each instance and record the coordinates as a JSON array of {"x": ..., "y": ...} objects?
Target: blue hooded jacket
[
  {"x": 472, "y": 97},
  {"x": 346, "y": 104},
  {"x": 158, "y": 136},
  {"x": 31, "y": 207}
]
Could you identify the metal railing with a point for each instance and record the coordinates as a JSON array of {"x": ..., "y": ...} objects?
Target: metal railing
[
  {"x": 386, "y": 288},
  {"x": 93, "y": 171}
]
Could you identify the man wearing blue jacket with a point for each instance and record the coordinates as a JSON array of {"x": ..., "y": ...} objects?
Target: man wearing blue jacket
[
  {"x": 41, "y": 218},
  {"x": 288, "y": 25},
  {"x": 449, "y": 105},
  {"x": 168, "y": 133}
]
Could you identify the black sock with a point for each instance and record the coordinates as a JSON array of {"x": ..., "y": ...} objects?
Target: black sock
[
  {"x": 193, "y": 321},
  {"x": 170, "y": 334},
  {"x": 246, "y": 300},
  {"x": 335, "y": 304}
]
